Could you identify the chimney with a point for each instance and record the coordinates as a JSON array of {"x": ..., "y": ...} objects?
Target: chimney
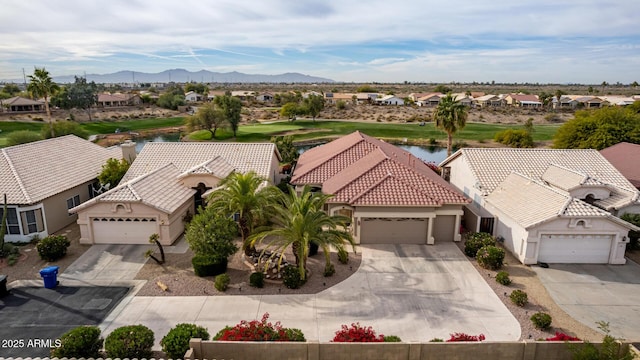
[{"x": 128, "y": 151}]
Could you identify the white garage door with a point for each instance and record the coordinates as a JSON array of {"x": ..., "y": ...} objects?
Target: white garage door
[
  {"x": 393, "y": 231},
  {"x": 123, "y": 230},
  {"x": 575, "y": 249}
]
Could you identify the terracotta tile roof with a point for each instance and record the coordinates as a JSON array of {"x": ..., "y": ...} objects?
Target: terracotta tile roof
[
  {"x": 159, "y": 189},
  {"x": 18, "y": 101},
  {"x": 530, "y": 202},
  {"x": 624, "y": 156},
  {"x": 35, "y": 171},
  {"x": 185, "y": 156},
  {"x": 524, "y": 97},
  {"x": 360, "y": 170},
  {"x": 492, "y": 165}
]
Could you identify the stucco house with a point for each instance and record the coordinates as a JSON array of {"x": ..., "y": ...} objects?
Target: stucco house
[
  {"x": 389, "y": 100},
  {"x": 43, "y": 179},
  {"x": 624, "y": 156},
  {"x": 192, "y": 96},
  {"x": 166, "y": 182},
  {"x": 390, "y": 195},
  {"x": 546, "y": 205},
  {"x": 20, "y": 104}
]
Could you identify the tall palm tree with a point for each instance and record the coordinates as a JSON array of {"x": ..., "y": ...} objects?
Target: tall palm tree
[
  {"x": 247, "y": 196},
  {"x": 450, "y": 116},
  {"x": 299, "y": 221},
  {"x": 42, "y": 86}
]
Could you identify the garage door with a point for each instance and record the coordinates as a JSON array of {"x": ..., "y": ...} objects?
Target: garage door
[
  {"x": 123, "y": 230},
  {"x": 444, "y": 227},
  {"x": 575, "y": 249},
  {"x": 393, "y": 231}
]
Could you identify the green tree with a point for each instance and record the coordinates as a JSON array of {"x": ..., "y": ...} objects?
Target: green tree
[
  {"x": 289, "y": 110},
  {"x": 314, "y": 105},
  {"x": 367, "y": 89},
  {"x": 450, "y": 116},
  {"x": 598, "y": 129},
  {"x": 443, "y": 89},
  {"x": 82, "y": 95},
  {"x": 199, "y": 88},
  {"x": 22, "y": 137},
  {"x": 11, "y": 89},
  {"x": 634, "y": 236},
  {"x": 211, "y": 234},
  {"x": 42, "y": 86},
  {"x": 170, "y": 101},
  {"x": 300, "y": 220},
  {"x": 231, "y": 106},
  {"x": 113, "y": 171},
  {"x": 286, "y": 148},
  {"x": 634, "y": 84},
  {"x": 62, "y": 128},
  {"x": 246, "y": 197},
  {"x": 208, "y": 117}
]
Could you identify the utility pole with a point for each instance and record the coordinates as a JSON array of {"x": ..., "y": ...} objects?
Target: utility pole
[{"x": 24, "y": 77}]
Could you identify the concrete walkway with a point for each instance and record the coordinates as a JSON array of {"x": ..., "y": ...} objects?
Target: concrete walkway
[
  {"x": 412, "y": 291},
  {"x": 592, "y": 293}
]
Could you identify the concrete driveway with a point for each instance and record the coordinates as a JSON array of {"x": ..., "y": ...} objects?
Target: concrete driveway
[
  {"x": 412, "y": 291},
  {"x": 591, "y": 293}
]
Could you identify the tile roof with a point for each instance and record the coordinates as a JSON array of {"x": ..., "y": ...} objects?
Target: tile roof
[
  {"x": 492, "y": 165},
  {"x": 185, "y": 156},
  {"x": 530, "y": 202},
  {"x": 217, "y": 167},
  {"x": 160, "y": 189},
  {"x": 563, "y": 178},
  {"x": 35, "y": 171},
  {"x": 18, "y": 101},
  {"x": 624, "y": 156},
  {"x": 360, "y": 170}
]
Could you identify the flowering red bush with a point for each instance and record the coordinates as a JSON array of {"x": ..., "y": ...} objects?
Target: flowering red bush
[
  {"x": 562, "y": 337},
  {"x": 259, "y": 331},
  {"x": 465, "y": 337},
  {"x": 357, "y": 333}
]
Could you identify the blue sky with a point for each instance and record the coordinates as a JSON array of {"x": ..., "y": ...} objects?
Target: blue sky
[{"x": 543, "y": 41}]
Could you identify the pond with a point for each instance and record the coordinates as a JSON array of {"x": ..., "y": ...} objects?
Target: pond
[{"x": 433, "y": 154}]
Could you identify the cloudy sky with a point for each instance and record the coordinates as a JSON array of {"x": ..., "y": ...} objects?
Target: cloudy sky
[{"x": 559, "y": 41}]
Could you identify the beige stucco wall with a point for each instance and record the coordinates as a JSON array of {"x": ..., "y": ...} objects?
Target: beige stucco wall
[
  {"x": 55, "y": 207},
  {"x": 192, "y": 180},
  {"x": 169, "y": 229}
]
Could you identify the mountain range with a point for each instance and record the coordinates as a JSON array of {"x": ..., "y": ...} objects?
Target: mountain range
[{"x": 183, "y": 76}]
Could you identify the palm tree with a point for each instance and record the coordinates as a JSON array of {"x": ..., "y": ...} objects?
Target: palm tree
[
  {"x": 450, "y": 116},
  {"x": 41, "y": 85},
  {"x": 299, "y": 221},
  {"x": 246, "y": 196}
]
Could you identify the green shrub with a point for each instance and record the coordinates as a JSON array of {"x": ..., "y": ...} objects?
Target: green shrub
[
  {"x": 53, "y": 247},
  {"x": 541, "y": 320},
  {"x": 291, "y": 277},
  {"x": 517, "y": 138},
  {"x": 205, "y": 265},
  {"x": 256, "y": 279},
  {"x": 22, "y": 137},
  {"x": 475, "y": 241},
  {"x": 490, "y": 257},
  {"x": 392, "y": 338},
  {"x": 294, "y": 334},
  {"x": 176, "y": 342},
  {"x": 9, "y": 249},
  {"x": 132, "y": 341},
  {"x": 343, "y": 256},
  {"x": 609, "y": 350},
  {"x": 503, "y": 278},
  {"x": 80, "y": 342},
  {"x": 436, "y": 340},
  {"x": 329, "y": 270},
  {"x": 222, "y": 282},
  {"x": 519, "y": 297}
]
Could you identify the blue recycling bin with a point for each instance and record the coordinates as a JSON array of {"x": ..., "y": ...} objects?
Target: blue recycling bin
[{"x": 50, "y": 276}]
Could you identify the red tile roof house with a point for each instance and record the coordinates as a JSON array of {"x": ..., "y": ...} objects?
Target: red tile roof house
[
  {"x": 390, "y": 195},
  {"x": 624, "y": 157},
  {"x": 43, "y": 179}
]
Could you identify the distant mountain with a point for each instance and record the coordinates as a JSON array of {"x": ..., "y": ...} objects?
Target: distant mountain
[{"x": 182, "y": 76}]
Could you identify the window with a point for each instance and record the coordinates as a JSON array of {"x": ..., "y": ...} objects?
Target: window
[
  {"x": 446, "y": 173},
  {"x": 73, "y": 202},
  {"x": 32, "y": 221},
  {"x": 13, "y": 226}
]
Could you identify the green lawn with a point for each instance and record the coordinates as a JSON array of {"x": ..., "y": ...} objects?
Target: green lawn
[
  {"x": 305, "y": 130},
  {"x": 7, "y": 127},
  {"x": 108, "y": 127}
]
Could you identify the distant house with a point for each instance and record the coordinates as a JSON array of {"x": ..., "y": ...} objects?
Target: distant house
[
  {"x": 619, "y": 100},
  {"x": 20, "y": 104},
  {"x": 391, "y": 196},
  {"x": 306, "y": 94},
  {"x": 567, "y": 102},
  {"x": 523, "y": 100},
  {"x": 166, "y": 182},
  {"x": 192, "y": 96},
  {"x": 244, "y": 95},
  {"x": 118, "y": 100},
  {"x": 389, "y": 100},
  {"x": 489, "y": 101},
  {"x": 431, "y": 99},
  {"x": 546, "y": 205},
  {"x": 265, "y": 97},
  {"x": 590, "y": 102},
  {"x": 43, "y": 179},
  {"x": 624, "y": 157}
]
